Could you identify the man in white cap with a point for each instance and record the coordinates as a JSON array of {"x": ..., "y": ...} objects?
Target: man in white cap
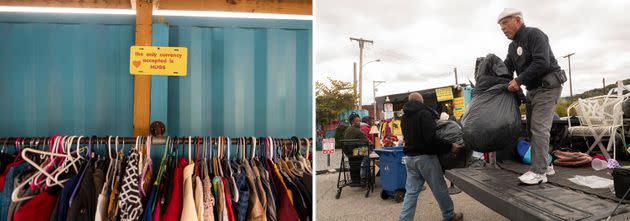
[{"x": 536, "y": 67}]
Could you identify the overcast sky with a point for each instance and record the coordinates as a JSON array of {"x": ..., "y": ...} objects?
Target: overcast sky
[{"x": 419, "y": 42}]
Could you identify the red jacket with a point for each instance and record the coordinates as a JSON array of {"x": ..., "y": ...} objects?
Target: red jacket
[{"x": 365, "y": 129}]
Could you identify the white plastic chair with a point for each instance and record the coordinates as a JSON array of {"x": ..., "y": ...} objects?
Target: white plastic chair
[{"x": 600, "y": 117}]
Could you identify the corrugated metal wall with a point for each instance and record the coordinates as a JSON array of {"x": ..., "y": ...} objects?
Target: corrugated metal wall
[
  {"x": 242, "y": 82},
  {"x": 65, "y": 78},
  {"x": 74, "y": 79}
]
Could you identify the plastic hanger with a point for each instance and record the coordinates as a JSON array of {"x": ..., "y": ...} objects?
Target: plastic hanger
[
  {"x": 189, "y": 150},
  {"x": 215, "y": 157},
  {"x": 117, "y": 161},
  {"x": 144, "y": 168},
  {"x": 49, "y": 162},
  {"x": 305, "y": 161},
  {"x": 111, "y": 160},
  {"x": 15, "y": 195},
  {"x": 231, "y": 173},
  {"x": 204, "y": 165},
  {"x": 253, "y": 148},
  {"x": 163, "y": 161},
  {"x": 138, "y": 148},
  {"x": 4, "y": 145},
  {"x": 68, "y": 162},
  {"x": 89, "y": 164},
  {"x": 244, "y": 150},
  {"x": 197, "y": 165},
  {"x": 220, "y": 152}
]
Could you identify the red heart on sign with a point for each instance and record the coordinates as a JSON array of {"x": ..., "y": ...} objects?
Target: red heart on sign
[{"x": 136, "y": 63}]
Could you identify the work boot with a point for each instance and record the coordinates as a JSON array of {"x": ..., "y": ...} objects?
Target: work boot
[{"x": 458, "y": 217}]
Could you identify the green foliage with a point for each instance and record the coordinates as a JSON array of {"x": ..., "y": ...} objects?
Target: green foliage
[
  {"x": 561, "y": 107},
  {"x": 333, "y": 100},
  {"x": 564, "y": 102}
]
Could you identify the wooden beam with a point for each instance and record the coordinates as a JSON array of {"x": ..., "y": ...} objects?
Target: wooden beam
[
  {"x": 298, "y": 7},
  {"x": 142, "y": 84},
  {"x": 110, "y": 4}
]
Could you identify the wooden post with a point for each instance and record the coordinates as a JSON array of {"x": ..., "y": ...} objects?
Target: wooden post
[{"x": 142, "y": 83}]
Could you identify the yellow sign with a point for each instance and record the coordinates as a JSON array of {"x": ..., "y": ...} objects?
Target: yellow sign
[
  {"x": 444, "y": 94},
  {"x": 149, "y": 60},
  {"x": 458, "y": 107}
]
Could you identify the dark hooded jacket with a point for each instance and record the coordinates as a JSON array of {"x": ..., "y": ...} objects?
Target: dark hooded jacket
[
  {"x": 418, "y": 128},
  {"x": 534, "y": 60}
]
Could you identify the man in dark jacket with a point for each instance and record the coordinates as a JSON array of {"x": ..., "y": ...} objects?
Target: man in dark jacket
[
  {"x": 531, "y": 57},
  {"x": 421, "y": 148}
]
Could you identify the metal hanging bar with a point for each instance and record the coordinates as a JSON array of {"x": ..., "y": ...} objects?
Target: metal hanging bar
[{"x": 130, "y": 140}]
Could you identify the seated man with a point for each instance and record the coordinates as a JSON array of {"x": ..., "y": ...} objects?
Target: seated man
[{"x": 359, "y": 165}]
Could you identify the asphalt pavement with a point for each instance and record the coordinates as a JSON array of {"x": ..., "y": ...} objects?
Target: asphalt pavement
[{"x": 354, "y": 206}]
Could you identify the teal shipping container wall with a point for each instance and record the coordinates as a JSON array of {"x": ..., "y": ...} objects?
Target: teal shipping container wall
[{"x": 246, "y": 77}]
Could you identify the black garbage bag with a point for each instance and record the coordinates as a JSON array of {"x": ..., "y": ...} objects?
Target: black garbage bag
[
  {"x": 492, "y": 120},
  {"x": 452, "y": 132}
]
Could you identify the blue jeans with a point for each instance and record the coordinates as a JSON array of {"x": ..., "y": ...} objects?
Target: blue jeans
[
  {"x": 420, "y": 169},
  {"x": 365, "y": 167}
]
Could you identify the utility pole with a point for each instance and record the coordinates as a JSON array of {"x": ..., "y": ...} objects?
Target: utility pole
[
  {"x": 568, "y": 57},
  {"x": 456, "y": 82},
  {"x": 354, "y": 85},
  {"x": 361, "y": 44},
  {"x": 374, "y": 85},
  {"x": 604, "y": 86}
]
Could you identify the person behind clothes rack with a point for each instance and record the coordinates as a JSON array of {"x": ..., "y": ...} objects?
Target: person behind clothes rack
[
  {"x": 421, "y": 148},
  {"x": 365, "y": 129},
  {"x": 354, "y": 132}
]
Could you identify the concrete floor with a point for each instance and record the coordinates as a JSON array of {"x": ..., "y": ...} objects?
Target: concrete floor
[{"x": 354, "y": 206}]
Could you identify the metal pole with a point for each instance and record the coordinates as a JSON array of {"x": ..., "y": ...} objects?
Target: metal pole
[
  {"x": 604, "y": 85},
  {"x": 456, "y": 81},
  {"x": 10, "y": 141},
  {"x": 374, "y": 93},
  {"x": 374, "y": 85},
  {"x": 568, "y": 56},
  {"x": 356, "y": 103},
  {"x": 327, "y": 160}
]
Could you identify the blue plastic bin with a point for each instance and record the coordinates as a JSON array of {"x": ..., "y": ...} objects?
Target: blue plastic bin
[{"x": 393, "y": 171}]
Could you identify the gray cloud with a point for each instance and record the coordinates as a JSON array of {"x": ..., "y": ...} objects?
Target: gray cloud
[{"x": 420, "y": 41}]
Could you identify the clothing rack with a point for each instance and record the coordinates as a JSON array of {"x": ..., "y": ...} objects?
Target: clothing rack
[{"x": 154, "y": 140}]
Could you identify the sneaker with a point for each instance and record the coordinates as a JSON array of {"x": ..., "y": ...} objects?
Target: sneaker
[
  {"x": 532, "y": 178},
  {"x": 550, "y": 171},
  {"x": 457, "y": 217}
]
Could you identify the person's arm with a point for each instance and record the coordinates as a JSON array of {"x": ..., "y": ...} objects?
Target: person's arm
[
  {"x": 539, "y": 44},
  {"x": 508, "y": 62},
  {"x": 429, "y": 128}
]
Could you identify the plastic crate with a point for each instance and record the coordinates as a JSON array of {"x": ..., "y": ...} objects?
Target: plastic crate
[{"x": 393, "y": 171}]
